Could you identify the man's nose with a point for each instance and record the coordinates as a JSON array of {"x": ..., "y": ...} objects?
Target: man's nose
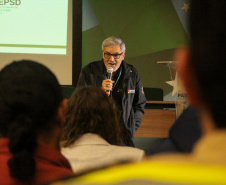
[{"x": 112, "y": 58}]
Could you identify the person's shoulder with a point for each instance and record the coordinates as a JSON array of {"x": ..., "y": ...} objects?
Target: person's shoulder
[
  {"x": 127, "y": 65},
  {"x": 134, "y": 154},
  {"x": 138, "y": 151},
  {"x": 130, "y": 68},
  {"x": 129, "y": 148},
  {"x": 93, "y": 65}
]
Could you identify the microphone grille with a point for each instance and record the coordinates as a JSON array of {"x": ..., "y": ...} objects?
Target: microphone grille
[{"x": 110, "y": 70}]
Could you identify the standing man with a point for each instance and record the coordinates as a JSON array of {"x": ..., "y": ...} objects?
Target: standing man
[
  {"x": 125, "y": 86},
  {"x": 202, "y": 68}
]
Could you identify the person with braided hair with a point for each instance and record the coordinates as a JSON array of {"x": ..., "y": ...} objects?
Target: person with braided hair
[{"x": 32, "y": 113}]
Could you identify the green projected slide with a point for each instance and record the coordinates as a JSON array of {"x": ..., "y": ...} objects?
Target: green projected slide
[{"x": 33, "y": 26}]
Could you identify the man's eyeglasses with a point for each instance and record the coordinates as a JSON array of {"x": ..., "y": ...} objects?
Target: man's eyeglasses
[{"x": 116, "y": 56}]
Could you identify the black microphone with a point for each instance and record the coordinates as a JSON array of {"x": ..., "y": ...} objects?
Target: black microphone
[{"x": 109, "y": 70}]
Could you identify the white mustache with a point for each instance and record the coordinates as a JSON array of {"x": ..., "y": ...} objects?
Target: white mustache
[{"x": 112, "y": 62}]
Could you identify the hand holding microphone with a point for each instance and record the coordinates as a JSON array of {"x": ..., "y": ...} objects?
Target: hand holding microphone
[{"x": 107, "y": 84}]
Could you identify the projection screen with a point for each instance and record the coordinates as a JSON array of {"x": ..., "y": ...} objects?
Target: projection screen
[{"x": 39, "y": 30}]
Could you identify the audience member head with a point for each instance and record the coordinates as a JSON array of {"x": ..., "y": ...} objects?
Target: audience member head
[
  {"x": 29, "y": 99},
  {"x": 90, "y": 110},
  {"x": 203, "y": 66}
]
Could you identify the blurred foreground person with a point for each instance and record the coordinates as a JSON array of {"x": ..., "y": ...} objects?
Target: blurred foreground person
[
  {"x": 32, "y": 112},
  {"x": 202, "y": 68},
  {"x": 91, "y": 135},
  {"x": 183, "y": 134}
]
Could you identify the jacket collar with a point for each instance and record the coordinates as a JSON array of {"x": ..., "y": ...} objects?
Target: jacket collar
[
  {"x": 90, "y": 139},
  {"x": 126, "y": 69}
]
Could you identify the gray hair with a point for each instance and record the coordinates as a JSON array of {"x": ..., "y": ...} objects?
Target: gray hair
[{"x": 112, "y": 41}]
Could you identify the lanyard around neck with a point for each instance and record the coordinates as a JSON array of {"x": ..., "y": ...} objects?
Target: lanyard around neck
[
  {"x": 120, "y": 72},
  {"x": 117, "y": 78}
]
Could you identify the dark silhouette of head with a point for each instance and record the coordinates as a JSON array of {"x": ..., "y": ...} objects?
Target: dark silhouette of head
[
  {"x": 29, "y": 98},
  {"x": 90, "y": 110},
  {"x": 207, "y": 54}
]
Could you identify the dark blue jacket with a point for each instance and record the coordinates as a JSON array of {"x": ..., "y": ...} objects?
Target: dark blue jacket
[{"x": 132, "y": 103}]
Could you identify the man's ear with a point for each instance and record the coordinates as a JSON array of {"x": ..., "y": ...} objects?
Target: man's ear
[
  {"x": 61, "y": 112},
  {"x": 187, "y": 75},
  {"x": 123, "y": 55}
]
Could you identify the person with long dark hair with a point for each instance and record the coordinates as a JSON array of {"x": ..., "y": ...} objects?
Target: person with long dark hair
[
  {"x": 32, "y": 113},
  {"x": 91, "y": 136}
]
